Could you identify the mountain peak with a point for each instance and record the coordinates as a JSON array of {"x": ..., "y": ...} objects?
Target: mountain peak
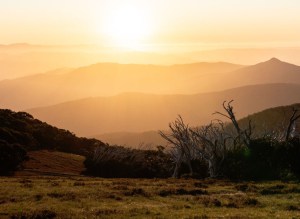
[
  {"x": 274, "y": 60},
  {"x": 273, "y": 67}
]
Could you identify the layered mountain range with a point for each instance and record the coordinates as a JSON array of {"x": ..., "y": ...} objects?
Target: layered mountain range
[{"x": 109, "y": 97}]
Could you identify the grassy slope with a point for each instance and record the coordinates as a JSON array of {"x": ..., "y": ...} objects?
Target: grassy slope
[
  {"x": 122, "y": 198},
  {"x": 45, "y": 162}
]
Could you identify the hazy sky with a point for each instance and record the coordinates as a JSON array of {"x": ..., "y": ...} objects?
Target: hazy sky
[{"x": 180, "y": 22}]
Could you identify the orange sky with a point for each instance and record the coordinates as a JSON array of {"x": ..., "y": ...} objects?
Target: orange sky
[{"x": 136, "y": 23}]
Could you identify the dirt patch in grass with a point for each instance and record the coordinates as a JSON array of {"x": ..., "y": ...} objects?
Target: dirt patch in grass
[
  {"x": 200, "y": 185},
  {"x": 246, "y": 188},
  {"x": 181, "y": 191},
  {"x": 273, "y": 190},
  {"x": 67, "y": 196},
  {"x": 293, "y": 208},
  {"x": 78, "y": 184},
  {"x": 107, "y": 211},
  {"x": 208, "y": 201},
  {"x": 137, "y": 191}
]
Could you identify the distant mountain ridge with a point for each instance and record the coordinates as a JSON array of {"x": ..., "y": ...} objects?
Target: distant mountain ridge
[
  {"x": 104, "y": 79},
  {"x": 138, "y": 140},
  {"x": 274, "y": 66},
  {"x": 137, "y": 112},
  {"x": 108, "y": 79},
  {"x": 135, "y": 98},
  {"x": 271, "y": 71}
]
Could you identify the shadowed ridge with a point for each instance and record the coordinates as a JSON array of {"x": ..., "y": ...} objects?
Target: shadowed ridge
[
  {"x": 271, "y": 119},
  {"x": 21, "y": 128},
  {"x": 274, "y": 62},
  {"x": 138, "y": 112}
]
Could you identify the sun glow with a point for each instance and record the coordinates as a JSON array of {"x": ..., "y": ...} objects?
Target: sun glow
[{"x": 128, "y": 27}]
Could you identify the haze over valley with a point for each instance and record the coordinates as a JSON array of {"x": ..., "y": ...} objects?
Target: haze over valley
[
  {"x": 23, "y": 59},
  {"x": 112, "y": 98},
  {"x": 109, "y": 79}
]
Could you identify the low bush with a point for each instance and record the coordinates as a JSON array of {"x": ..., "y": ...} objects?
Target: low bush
[
  {"x": 11, "y": 156},
  {"x": 265, "y": 159},
  {"x": 116, "y": 161}
]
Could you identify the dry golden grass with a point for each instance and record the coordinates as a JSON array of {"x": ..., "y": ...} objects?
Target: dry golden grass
[
  {"x": 43, "y": 162},
  {"x": 83, "y": 197}
]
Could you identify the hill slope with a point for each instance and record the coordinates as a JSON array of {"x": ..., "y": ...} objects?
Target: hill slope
[
  {"x": 266, "y": 121},
  {"x": 22, "y": 129},
  {"x": 136, "y": 112},
  {"x": 271, "y": 71},
  {"x": 106, "y": 79},
  {"x": 272, "y": 119},
  {"x": 45, "y": 162},
  {"x": 138, "y": 140}
]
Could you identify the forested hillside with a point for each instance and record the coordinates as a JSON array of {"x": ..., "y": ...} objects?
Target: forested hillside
[
  {"x": 20, "y": 132},
  {"x": 32, "y": 134}
]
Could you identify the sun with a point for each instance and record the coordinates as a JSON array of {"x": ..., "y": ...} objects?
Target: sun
[{"x": 127, "y": 27}]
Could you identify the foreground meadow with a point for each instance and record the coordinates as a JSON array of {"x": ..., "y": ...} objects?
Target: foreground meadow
[{"x": 83, "y": 197}]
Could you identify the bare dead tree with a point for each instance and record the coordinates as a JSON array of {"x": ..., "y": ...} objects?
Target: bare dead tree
[
  {"x": 208, "y": 143},
  {"x": 244, "y": 134},
  {"x": 292, "y": 122},
  {"x": 211, "y": 142},
  {"x": 180, "y": 138}
]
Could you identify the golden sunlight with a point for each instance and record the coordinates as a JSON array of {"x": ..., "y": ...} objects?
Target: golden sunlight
[{"x": 127, "y": 27}]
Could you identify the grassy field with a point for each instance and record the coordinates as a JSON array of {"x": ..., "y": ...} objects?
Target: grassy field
[
  {"x": 52, "y": 162},
  {"x": 83, "y": 197}
]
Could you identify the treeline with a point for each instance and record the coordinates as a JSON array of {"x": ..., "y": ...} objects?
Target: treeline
[
  {"x": 21, "y": 128},
  {"x": 116, "y": 161},
  {"x": 20, "y": 132},
  {"x": 265, "y": 159}
]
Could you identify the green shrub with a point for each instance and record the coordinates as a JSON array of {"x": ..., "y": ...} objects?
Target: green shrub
[
  {"x": 11, "y": 155},
  {"x": 265, "y": 159},
  {"x": 115, "y": 161}
]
